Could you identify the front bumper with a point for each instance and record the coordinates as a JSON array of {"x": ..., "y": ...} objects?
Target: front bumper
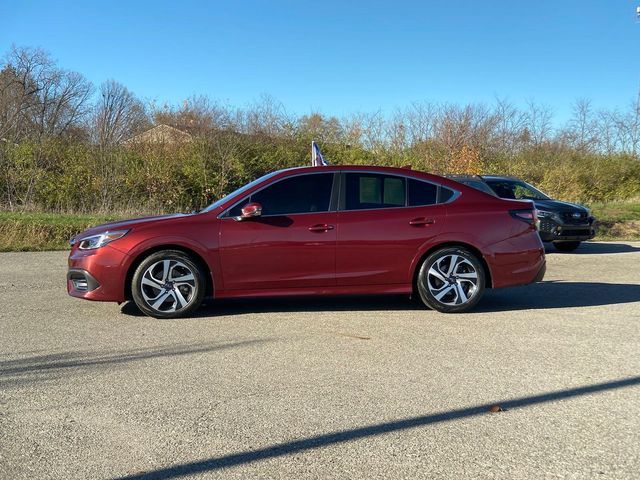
[
  {"x": 81, "y": 281},
  {"x": 551, "y": 230},
  {"x": 98, "y": 274}
]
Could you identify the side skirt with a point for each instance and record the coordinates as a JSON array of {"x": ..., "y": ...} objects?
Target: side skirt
[{"x": 308, "y": 291}]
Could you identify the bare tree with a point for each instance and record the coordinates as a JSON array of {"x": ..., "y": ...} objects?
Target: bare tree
[
  {"x": 629, "y": 128},
  {"x": 320, "y": 127},
  {"x": 38, "y": 97},
  {"x": 581, "y": 132},
  {"x": 608, "y": 140},
  {"x": 539, "y": 124},
  {"x": 22, "y": 70},
  {"x": 510, "y": 124},
  {"x": 267, "y": 117},
  {"x": 198, "y": 115},
  {"x": 471, "y": 125},
  {"x": 117, "y": 115},
  {"x": 420, "y": 122}
]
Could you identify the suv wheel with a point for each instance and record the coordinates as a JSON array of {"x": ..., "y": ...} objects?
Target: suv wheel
[
  {"x": 168, "y": 284},
  {"x": 566, "y": 246},
  {"x": 451, "y": 280}
]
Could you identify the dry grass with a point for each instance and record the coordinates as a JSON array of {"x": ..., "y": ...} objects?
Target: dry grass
[
  {"x": 618, "y": 220},
  {"x": 42, "y": 231}
]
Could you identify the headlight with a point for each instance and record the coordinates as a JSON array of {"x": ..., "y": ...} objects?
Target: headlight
[
  {"x": 544, "y": 214},
  {"x": 100, "y": 240}
]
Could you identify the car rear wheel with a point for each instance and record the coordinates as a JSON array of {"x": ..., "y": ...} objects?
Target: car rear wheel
[
  {"x": 451, "y": 280},
  {"x": 566, "y": 246},
  {"x": 168, "y": 284}
]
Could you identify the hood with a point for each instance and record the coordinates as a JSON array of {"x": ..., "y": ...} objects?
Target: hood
[
  {"x": 129, "y": 224},
  {"x": 558, "y": 206}
]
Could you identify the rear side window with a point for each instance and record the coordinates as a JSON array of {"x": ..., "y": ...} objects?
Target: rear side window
[
  {"x": 421, "y": 193},
  {"x": 446, "y": 194},
  {"x": 299, "y": 194},
  {"x": 370, "y": 190}
]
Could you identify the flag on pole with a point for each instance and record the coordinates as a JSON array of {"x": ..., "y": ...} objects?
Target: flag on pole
[{"x": 316, "y": 156}]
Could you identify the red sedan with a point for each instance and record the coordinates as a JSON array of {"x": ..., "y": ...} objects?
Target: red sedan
[{"x": 316, "y": 231}]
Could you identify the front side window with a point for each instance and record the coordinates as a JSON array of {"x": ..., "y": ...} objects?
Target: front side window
[
  {"x": 370, "y": 190},
  {"x": 299, "y": 194}
]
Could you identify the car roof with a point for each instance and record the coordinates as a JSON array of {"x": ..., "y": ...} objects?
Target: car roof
[
  {"x": 403, "y": 171},
  {"x": 332, "y": 168},
  {"x": 459, "y": 177},
  {"x": 406, "y": 171},
  {"x": 499, "y": 177}
]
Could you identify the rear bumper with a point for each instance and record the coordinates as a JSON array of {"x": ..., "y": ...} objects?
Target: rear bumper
[
  {"x": 540, "y": 275},
  {"x": 517, "y": 261}
]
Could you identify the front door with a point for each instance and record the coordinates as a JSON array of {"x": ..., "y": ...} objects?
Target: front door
[{"x": 292, "y": 244}]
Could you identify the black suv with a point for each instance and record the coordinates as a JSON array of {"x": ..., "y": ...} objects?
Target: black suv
[{"x": 564, "y": 224}]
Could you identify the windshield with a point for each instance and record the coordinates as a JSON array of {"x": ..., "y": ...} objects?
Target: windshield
[
  {"x": 516, "y": 190},
  {"x": 239, "y": 191}
]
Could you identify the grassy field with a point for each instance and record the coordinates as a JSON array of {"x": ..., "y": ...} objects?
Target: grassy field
[
  {"x": 618, "y": 221},
  {"x": 22, "y": 231}
]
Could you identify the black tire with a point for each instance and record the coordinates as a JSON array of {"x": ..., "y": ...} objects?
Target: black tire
[
  {"x": 454, "y": 286},
  {"x": 168, "y": 284},
  {"x": 566, "y": 246}
]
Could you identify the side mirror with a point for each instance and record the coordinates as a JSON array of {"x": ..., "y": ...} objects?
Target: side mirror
[{"x": 250, "y": 210}]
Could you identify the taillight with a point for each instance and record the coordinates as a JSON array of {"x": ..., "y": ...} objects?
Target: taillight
[{"x": 529, "y": 216}]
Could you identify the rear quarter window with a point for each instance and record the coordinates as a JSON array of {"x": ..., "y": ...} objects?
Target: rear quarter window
[
  {"x": 422, "y": 193},
  {"x": 446, "y": 194}
]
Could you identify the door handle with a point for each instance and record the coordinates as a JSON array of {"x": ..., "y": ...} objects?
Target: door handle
[
  {"x": 421, "y": 222},
  {"x": 321, "y": 227}
]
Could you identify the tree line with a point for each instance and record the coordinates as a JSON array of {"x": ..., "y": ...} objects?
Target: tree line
[{"x": 63, "y": 143}]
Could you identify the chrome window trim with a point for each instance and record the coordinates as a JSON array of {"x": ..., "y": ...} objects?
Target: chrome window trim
[
  {"x": 341, "y": 185},
  {"x": 225, "y": 212}
]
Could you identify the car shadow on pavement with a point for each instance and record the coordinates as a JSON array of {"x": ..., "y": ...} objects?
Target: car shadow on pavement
[
  {"x": 554, "y": 294},
  {"x": 595, "y": 248},
  {"x": 543, "y": 295},
  {"x": 33, "y": 368},
  {"x": 347, "y": 303},
  {"x": 369, "y": 431}
]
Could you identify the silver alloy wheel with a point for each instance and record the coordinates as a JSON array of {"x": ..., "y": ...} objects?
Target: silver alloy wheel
[
  {"x": 168, "y": 286},
  {"x": 452, "y": 280}
]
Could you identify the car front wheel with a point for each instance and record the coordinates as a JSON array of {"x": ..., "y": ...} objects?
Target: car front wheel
[
  {"x": 168, "y": 284},
  {"x": 451, "y": 280}
]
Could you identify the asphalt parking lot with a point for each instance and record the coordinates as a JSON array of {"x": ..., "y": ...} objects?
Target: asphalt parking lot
[{"x": 326, "y": 388}]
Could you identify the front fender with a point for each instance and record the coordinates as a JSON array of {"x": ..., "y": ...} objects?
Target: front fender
[{"x": 209, "y": 255}]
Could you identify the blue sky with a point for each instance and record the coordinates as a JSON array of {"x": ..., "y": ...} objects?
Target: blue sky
[{"x": 339, "y": 57}]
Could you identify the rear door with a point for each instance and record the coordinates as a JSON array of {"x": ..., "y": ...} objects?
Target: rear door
[
  {"x": 291, "y": 245},
  {"x": 383, "y": 222}
]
